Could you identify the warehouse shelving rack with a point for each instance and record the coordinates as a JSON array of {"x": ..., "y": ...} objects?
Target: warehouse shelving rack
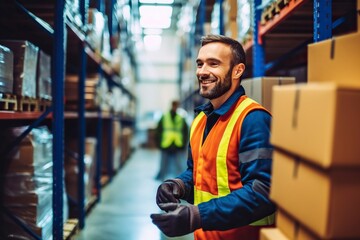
[
  {"x": 46, "y": 25},
  {"x": 279, "y": 45},
  {"x": 281, "y": 42}
]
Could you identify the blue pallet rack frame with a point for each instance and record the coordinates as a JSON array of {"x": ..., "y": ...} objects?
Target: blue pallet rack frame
[
  {"x": 322, "y": 30},
  {"x": 58, "y": 66},
  {"x": 58, "y": 35},
  {"x": 81, "y": 122}
]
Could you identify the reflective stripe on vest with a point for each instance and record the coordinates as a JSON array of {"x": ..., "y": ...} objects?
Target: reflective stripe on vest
[
  {"x": 172, "y": 131},
  {"x": 222, "y": 182}
]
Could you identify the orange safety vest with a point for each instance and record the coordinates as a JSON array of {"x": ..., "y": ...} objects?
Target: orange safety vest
[{"x": 216, "y": 162}]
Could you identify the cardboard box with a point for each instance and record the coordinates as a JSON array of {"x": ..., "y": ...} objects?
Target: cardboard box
[
  {"x": 326, "y": 202},
  {"x": 272, "y": 234},
  {"x": 260, "y": 88},
  {"x": 319, "y": 122},
  {"x": 335, "y": 60},
  {"x": 291, "y": 227},
  {"x": 358, "y": 15}
]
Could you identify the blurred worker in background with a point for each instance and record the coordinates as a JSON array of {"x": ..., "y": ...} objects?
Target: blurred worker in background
[
  {"x": 228, "y": 177},
  {"x": 171, "y": 138}
]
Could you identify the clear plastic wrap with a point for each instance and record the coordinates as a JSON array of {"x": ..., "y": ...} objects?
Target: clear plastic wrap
[
  {"x": 27, "y": 183},
  {"x": 6, "y": 70},
  {"x": 43, "y": 85},
  {"x": 25, "y": 64}
]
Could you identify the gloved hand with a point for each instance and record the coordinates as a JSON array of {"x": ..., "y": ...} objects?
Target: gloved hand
[
  {"x": 170, "y": 191},
  {"x": 178, "y": 219}
]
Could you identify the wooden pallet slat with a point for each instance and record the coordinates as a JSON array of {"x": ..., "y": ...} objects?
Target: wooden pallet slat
[
  {"x": 8, "y": 102},
  {"x": 27, "y": 104},
  {"x": 44, "y": 104},
  {"x": 71, "y": 228}
]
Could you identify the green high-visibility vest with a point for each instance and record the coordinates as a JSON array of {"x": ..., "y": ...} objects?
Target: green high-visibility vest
[{"x": 172, "y": 131}]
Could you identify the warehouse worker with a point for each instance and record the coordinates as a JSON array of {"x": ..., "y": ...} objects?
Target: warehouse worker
[
  {"x": 228, "y": 177},
  {"x": 171, "y": 138}
]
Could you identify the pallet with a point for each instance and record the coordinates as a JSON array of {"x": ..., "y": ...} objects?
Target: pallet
[
  {"x": 282, "y": 3},
  {"x": 272, "y": 10},
  {"x": 8, "y": 102},
  {"x": 44, "y": 104},
  {"x": 27, "y": 104},
  {"x": 71, "y": 228}
]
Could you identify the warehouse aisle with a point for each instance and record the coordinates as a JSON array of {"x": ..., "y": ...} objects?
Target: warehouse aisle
[{"x": 127, "y": 202}]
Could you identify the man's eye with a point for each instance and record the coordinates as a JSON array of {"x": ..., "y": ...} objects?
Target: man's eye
[
  {"x": 214, "y": 63},
  {"x": 199, "y": 65}
]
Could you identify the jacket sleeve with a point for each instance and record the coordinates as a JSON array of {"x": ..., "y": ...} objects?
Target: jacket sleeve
[{"x": 251, "y": 202}]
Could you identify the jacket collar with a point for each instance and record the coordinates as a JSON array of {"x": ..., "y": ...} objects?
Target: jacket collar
[{"x": 208, "y": 109}]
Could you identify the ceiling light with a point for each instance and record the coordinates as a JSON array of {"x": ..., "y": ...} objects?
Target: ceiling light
[
  {"x": 155, "y": 11},
  {"x": 155, "y": 16}
]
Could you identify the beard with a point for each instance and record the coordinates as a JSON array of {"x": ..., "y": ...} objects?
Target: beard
[{"x": 219, "y": 89}]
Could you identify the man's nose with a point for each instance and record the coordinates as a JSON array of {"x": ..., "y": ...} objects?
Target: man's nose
[{"x": 202, "y": 71}]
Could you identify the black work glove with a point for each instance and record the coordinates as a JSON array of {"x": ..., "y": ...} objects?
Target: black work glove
[
  {"x": 178, "y": 219},
  {"x": 170, "y": 191}
]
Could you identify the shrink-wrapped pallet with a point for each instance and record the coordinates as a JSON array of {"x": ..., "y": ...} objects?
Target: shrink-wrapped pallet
[
  {"x": 27, "y": 182},
  {"x": 43, "y": 84},
  {"x": 6, "y": 70},
  {"x": 25, "y": 63}
]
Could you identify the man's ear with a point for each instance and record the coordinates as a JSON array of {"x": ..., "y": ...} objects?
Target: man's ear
[{"x": 238, "y": 70}]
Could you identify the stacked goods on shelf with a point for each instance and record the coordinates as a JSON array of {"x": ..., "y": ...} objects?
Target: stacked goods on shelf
[
  {"x": 230, "y": 15},
  {"x": 116, "y": 100},
  {"x": 116, "y": 148},
  {"x": 43, "y": 80},
  {"x": 104, "y": 97},
  {"x": 6, "y": 70},
  {"x": 73, "y": 12},
  {"x": 7, "y": 99},
  {"x": 315, "y": 174},
  {"x": 271, "y": 8},
  {"x": 244, "y": 20},
  {"x": 72, "y": 170},
  {"x": 27, "y": 182},
  {"x": 105, "y": 42},
  {"x": 25, "y": 65},
  {"x": 260, "y": 88},
  {"x": 72, "y": 95},
  {"x": 95, "y": 30},
  {"x": 125, "y": 141}
]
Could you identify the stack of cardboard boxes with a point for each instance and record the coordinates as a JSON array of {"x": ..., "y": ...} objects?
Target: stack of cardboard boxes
[
  {"x": 315, "y": 131},
  {"x": 260, "y": 88},
  {"x": 25, "y": 75},
  {"x": 71, "y": 170}
]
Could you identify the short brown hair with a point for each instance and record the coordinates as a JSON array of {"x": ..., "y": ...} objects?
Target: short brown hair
[{"x": 238, "y": 53}]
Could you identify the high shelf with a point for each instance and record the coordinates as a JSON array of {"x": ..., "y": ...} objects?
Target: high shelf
[
  {"x": 62, "y": 33},
  {"x": 277, "y": 40},
  {"x": 279, "y": 45}
]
